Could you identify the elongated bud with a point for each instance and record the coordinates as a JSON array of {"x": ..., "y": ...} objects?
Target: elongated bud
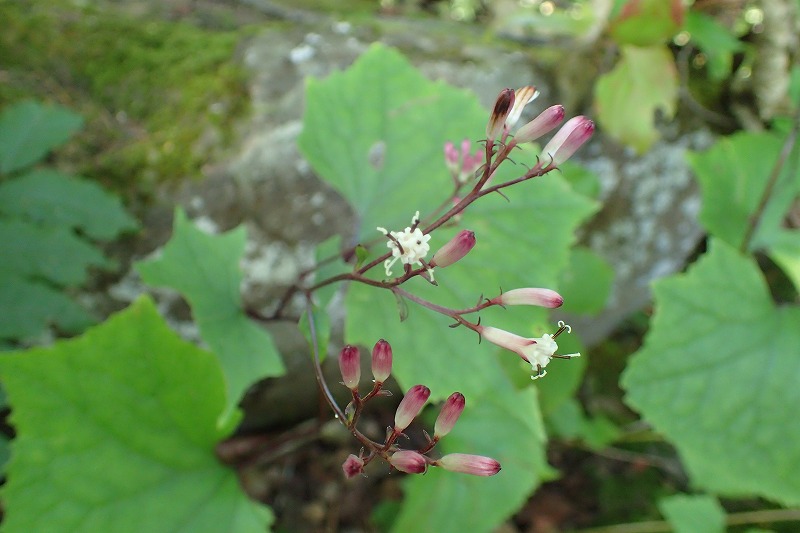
[
  {"x": 546, "y": 121},
  {"x": 381, "y": 361},
  {"x": 477, "y": 465},
  {"x": 350, "y": 365},
  {"x": 567, "y": 140},
  {"x": 456, "y": 249},
  {"x": 522, "y": 97},
  {"x": 497, "y": 120},
  {"x": 352, "y": 466},
  {"x": 452, "y": 409},
  {"x": 410, "y": 406},
  {"x": 409, "y": 462},
  {"x": 530, "y": 296},
  {"x": 451, "y": 157}
]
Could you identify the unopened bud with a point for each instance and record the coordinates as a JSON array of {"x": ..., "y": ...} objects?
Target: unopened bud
[
  {"x": 452, "y": 409},
  {"x": 546, "y": 121},
  {"x": 410, "y": 406},
  {"x": 352, "y": 466},
  {"x": 350, "y": 365},
  {"x": 456, "y": 249},
  {"x": 497, "y": 120},
  {"x": 408, "y": 461},
  {"x": 529, "y": 296},
  {"x": 477, "y": 465},
  {"x": 567, "y": 140},
  {"x": 451, "y": 157},
  {"x": 381, "y": 361},
  {"x": 522, "y": 97}
]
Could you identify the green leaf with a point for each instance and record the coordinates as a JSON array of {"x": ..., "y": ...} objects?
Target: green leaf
[
  {"x": 733, "y": 175},
  {"x": 643, "y": 81},
  {"x": 504, "y": 425},
  {"x": 647, "y": 22},
  {"x": 785, "y": 251},
  {"x": 50, "y": 198},
  {"x": 380, "y": 126},
  {"x": 716, "y": 41},
  {"x": 116, "y": 432},
  {"x": 690, "y": 514},
  {"x": 28, "y": 307},
  {"x": 51, "y": 253},
  {"x": 586, "y": 283},
  {"x": 205, "y": 270},
  {"x": 569, "y": 422},
  {"x": 29, "y": 130},
  {"x": 718, "y": 369}
]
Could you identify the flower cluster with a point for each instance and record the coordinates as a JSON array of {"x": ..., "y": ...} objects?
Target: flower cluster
[{"x": 408, "y": 461}]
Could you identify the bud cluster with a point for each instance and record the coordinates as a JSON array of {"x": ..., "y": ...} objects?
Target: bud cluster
[{"x": 412, "y": 404}]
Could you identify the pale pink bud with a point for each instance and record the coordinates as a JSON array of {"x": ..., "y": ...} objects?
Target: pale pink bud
[
  {"x": 529, "y": 296},
  {"x": 456, "y": 249},
  {"x": 451, "y": 157},
  {"x": 522, "y": 97},
  {"x": 409, "y": 462},
  {"x": 567, "y": 140},
  {"x": 497, "y": 120},
  {"x": 352, "y": 466},
  {"x": 410, "y": 406},
  {"x": 546, "y": 121},
  {"x": 381, "y": 361},
  {"x": 452, "y": 409},
  {"x": 350, "y": 365},
  {"x": 477, "y": 465}
]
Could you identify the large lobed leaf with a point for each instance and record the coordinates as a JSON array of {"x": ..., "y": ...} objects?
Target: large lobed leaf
[
  {"x": 718, "y": 377},
  {"x": 733, "y": 175},
  {"x": 205, "y": 270},
  {"x": 116, "y": 432},
  {"x": 643, "y": 81},
  {"x": 29, "y": 130},
  {"x": 376, "y": 131}
]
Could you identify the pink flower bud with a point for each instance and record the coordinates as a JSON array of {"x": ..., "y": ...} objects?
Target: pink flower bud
[
  {"x": 529, "y": 296},
  {"x": 449, "y": 414},
  {"x": 352, "y": 466},
  {"x": 381, "y": 361},
  {"x": 522, "y": 97},
  {"x": 410, "y": 406},
  {"x": 350, "y": 365},
  {"x": 476, "y": 465},
  {"x": 567, "y": 140},
  {"x": 456, "y": 249},
  {"x": 546, "y": 121},
  {"x": 451, "y": 158},
  {"x": 409, "y": 462},
  {"x": 497, "y": 120}
]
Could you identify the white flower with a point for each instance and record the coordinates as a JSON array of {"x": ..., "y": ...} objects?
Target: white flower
[
  {"x": 538, "y": 351},
  {"x": 410, "y": 246}
]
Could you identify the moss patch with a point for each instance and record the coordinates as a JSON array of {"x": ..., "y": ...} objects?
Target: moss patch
[{"x": 159, "y": 97}]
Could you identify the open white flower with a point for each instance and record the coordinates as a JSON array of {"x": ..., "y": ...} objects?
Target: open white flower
[
  {"x": 409, "y": 246},
  {"x": 538, "y": 351}
]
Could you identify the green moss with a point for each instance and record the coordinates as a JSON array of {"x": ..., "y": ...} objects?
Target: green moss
[{"x": 151, "y": 89}]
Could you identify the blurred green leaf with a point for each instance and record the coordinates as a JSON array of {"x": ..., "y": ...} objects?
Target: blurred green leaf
[
  {"x": 116, "y": 432},
  {"x": 785, "y": 251},
  {"x": 733, "y": 175},
  {"x": 569, "y": 422},
  {"x": 28, "y": 130},
  {"x": 379, "y": 127},
  {"x": 716, "y": 376},
  {"x": 690, "y": 514},
  {"x": 48, "y": 197},
  {"x": 586, "y": 282},
  {"x": 29, "y": 306},
  {"x": 205, "y": 270},
  {"x": 581, "y": 179},
  {"x": 644, "y": 81},
  {"x": 716, "y": 41},
  {"x": 504, "y": 424},
  {"x": 51, "y": 253},
  {"x": 647, "y": 22}
]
